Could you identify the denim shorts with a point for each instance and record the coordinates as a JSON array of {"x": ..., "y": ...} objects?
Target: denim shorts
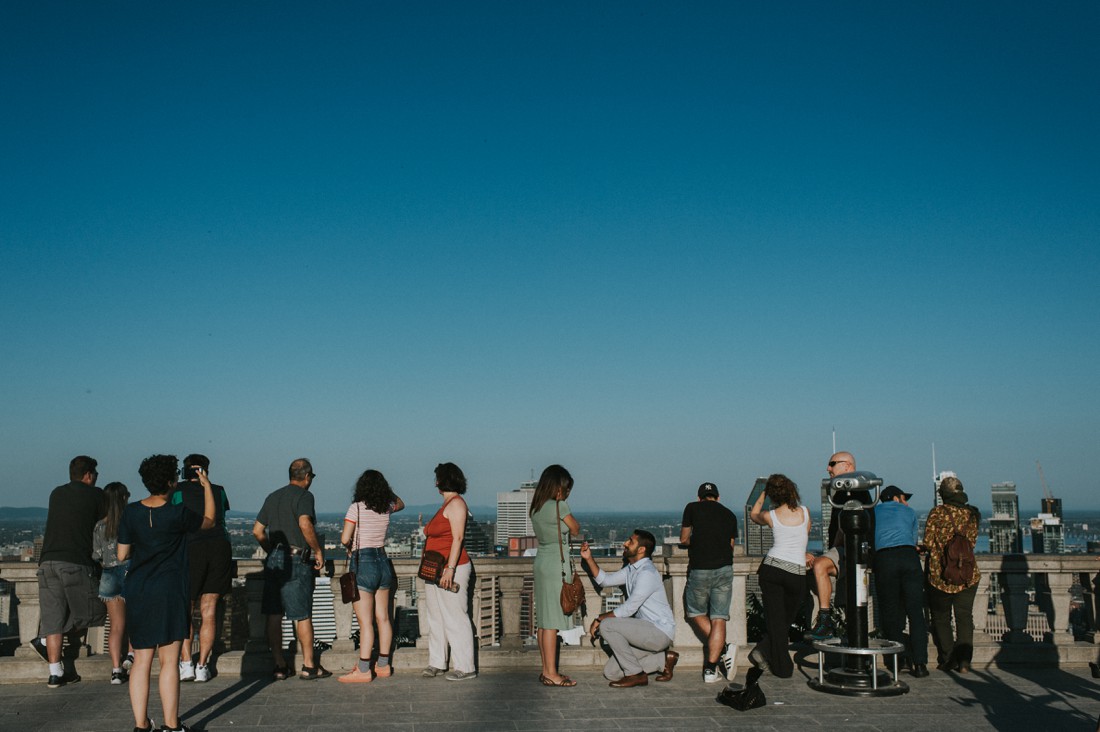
[
  {"x": 111, "y": 582},
  {"x": 709, "y": 592},
  {"x": 373, "y": 570},
  {"x": 289, "y": 590}
]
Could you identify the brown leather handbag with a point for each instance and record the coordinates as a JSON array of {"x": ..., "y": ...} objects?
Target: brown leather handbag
[{"x": 572, "y": 593}]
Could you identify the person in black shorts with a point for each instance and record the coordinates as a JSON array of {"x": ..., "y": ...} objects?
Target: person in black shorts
[{"x": 211, "y": 560}]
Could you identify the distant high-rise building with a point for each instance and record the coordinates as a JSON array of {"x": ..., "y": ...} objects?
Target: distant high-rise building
[
  {"x": 512, "y": 513},
  {"x": 758, "y": 539},
  {"x": 476, "y": 541},
  {"x": 1047, "y": 531},
  {"x": 1005, "y": 536}
]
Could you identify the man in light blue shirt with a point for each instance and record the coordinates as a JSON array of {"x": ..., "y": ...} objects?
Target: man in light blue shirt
[
  {"x": 639, "y": 631},
  {"x": 899, "y": 577}
]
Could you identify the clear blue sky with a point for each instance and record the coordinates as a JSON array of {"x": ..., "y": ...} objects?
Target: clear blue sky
[{"x": 659, "y": 243}]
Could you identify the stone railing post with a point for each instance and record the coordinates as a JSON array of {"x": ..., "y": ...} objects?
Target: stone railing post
[
  {"x": 343, "y": 614},
  {"x": 511, "y": 601},
  {"x": 1058, "y": 584}
]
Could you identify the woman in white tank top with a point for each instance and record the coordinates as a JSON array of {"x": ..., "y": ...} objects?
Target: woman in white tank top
[{"x": 782, "y": 572}]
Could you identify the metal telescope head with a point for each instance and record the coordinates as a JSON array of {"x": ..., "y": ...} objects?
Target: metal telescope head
[{"x": 841, "y": 487}]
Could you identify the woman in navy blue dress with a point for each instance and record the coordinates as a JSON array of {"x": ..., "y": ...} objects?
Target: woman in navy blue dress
[{"x": 153, "y": 536}]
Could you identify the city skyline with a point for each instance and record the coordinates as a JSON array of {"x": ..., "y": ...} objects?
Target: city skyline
[{"x": 657, "y": 245}]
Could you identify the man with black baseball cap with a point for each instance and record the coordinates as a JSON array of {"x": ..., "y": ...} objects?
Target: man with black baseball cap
[
  {"x": 709, "y": 530},
  {"x": 899, "y": 577}
]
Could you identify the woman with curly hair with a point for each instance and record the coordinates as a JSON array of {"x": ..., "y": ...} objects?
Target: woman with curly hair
[
  {"x": 111, "y": 582},
  {"x": 782, "y": 572},
  {"x": 153, "y": 536},
  {"x": 447, "y": 604},
  {"x": 364, "y": 536},
  {"x": 553, "y": 523}
]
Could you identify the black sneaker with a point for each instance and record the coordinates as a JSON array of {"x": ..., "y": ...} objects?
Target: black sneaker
[
  {"x": 182, "y": 728},
  {"x": 56, "y": 682},
  {"x": 119, "y": 677},
  {"x": 38, "y": 645}
]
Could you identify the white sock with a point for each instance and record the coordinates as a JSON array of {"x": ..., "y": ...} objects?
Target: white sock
[
  {"x": 185, "y": 664},
  {"x": 56, "y": 669}
]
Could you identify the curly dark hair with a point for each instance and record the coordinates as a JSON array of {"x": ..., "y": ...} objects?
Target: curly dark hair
[
  {"x": 449, "y": 477},
  {"x": 374, "y": 491},
  {"x": 158, "y": 473},
  {"x": 782, "y": 491}
]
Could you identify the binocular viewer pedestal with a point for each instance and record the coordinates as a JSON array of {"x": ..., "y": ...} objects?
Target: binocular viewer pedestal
[{"x": 859, "y": 674}]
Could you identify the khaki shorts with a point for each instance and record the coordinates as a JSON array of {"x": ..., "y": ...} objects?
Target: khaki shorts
[{"x": 68, "y": 597}]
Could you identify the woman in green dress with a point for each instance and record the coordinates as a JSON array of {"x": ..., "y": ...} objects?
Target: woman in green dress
[{"x": 553, "y": 523}]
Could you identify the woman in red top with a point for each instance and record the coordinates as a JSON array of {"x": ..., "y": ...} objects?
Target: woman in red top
[{"x": 448, "y": 604}]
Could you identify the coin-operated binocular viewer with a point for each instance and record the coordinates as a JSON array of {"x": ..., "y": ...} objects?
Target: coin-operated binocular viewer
[{"x": 854, "y": 495}]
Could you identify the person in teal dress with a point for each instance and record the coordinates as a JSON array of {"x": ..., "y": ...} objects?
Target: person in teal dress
[
  {"x": 153, "y": 536},
  {"x": 553, "y": 523}
]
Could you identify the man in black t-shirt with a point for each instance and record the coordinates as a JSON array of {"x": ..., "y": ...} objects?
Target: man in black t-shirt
[
  {"x": 210, "y": 556},
  {"x": 68, "y": 577},
  {"x": 709, "y": 530}
]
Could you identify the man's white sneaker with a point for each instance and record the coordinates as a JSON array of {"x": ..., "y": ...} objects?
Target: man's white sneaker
[
  {"x": 202, "y": 673},
  {"x": 187, "y": 671},
  {"x": 728, "y": 659},
  {"x": 710, "y": 675}
]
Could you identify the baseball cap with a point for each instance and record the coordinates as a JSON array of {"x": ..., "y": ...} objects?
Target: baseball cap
[
  {"x": 891, "y": 492},
  {"x": 708, "y": 489}
]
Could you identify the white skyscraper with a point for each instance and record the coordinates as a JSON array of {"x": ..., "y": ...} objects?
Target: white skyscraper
[{"x": 512, "y": 513}]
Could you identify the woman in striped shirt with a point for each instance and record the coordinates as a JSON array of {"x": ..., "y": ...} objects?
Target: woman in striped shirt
[{"x": 364, "y": 535}]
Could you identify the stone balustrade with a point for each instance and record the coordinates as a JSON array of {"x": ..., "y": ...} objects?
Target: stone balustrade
[{"x": 1034, "y": 606}]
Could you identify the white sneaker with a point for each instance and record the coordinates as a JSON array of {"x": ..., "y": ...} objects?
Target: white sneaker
[
  {"x": 710, "y": 676},
  {"x": 728, "y": 659},
  {"x": 202, "y": 673},
  {"x": 187, "y": 671},
  {"x": 128, "y": 662}
]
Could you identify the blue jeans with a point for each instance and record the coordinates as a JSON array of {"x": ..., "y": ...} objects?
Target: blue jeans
[
  {"x": 373, "y": 570},
  {"x": 111, "y": 581},
  {"x": 288, "y": 590}
]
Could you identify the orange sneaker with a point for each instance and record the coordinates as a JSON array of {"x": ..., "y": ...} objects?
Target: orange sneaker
[
  {"x": 383, "y": 671},
  {"x": 356, "y": 677}
]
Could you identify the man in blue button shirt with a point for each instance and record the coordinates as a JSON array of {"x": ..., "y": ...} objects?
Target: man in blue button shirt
[
  {"x": 899, "y": 577},
  {"x": 639, "y": 631}
]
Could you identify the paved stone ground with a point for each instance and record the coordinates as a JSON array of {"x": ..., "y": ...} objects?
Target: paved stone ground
[{"x": 1010, "y": 698}]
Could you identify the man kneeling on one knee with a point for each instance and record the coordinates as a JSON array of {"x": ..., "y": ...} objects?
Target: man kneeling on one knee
[{"x": 639, "y": 631}]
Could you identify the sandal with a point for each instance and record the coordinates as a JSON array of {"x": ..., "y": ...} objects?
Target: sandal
[
  {"x": 565, "y": 681},
  {"x": 312, "y": 674},
  {"x": 282, "y": 673}
]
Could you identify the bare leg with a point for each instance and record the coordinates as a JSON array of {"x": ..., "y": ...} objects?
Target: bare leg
[
  {"x": 208, "y": 606},
  {"x": 305, "y": 640},
  {"x": 824, "y": 569},
  {"x": 382, "y": 618},
  {"x": 139, "y": 684},
  {"x": 169, "y": 682},
  {"x": 53, "y": 647},
  {"x": 716, "y": 639},
  {"x": 364, "y": 612},
  {"x": 275, "y": 639},
  {"x": 116, "y": 611},
  {"x": 185, "y": 651},
  {"x": 548, "y": 649}
]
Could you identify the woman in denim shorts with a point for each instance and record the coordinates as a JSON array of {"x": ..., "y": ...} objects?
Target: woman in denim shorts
[
  {"x": 364, "y": 535},
  {"x": 105, "y": 551}
]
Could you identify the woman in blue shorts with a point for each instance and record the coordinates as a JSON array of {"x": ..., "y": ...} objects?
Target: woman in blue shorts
[
  {"x": 105, "y": 551},
  {"x": 364, "y": 535}
]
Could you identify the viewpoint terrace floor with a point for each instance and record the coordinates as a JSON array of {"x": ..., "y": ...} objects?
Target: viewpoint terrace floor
[{"x": 1010, "y": 698}]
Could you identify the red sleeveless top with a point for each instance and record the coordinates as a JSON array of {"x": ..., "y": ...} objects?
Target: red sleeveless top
[{"x": 438, "y": 537}]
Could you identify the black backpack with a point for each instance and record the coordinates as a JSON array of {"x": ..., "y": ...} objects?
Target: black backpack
[{"x": 958, "y": 560}]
